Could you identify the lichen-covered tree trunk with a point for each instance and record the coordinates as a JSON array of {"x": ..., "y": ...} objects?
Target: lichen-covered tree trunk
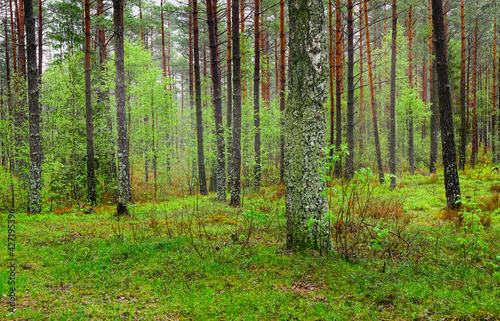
[
  {"x": 35, "y": 167},
  {"x": 451, "y": 181},
  {"x": 235, "y": 169},
  {"x": 220, "y": 175},
  {"x": 305, "y": 128},
  {"x": 124, "y": 194}
]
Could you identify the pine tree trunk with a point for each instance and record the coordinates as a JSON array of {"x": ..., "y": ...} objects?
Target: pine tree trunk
[
  {"x": 229, "y": 84},
  {"x": 392, "y": 137},
  {"x": 451, "y": 180},
  {"x": 89, "y": 124},
  {"x": 463, "y": 102},
  {"x": 202, "y": 180},
  {"x": 40, "y": 40},
  {"x": 124, "y": 193},
  {"x": 35, "y": 167},
  {"x": 235, "y": 169},
  {"x": 305, "y": 129},
  {"x": 474, "y": 100},
  {"x": 349, "y": 162},
  {"x": 372, "y": 96},
  {"x": 256, "y": 98},
  {"x": 220, "y": 185},
  {"x": 331, "y": 74},
  {"x": 21, "y": 38},
  {"x": 434, "y": 102},
  {"x": 361, "y": 83},
  {"x": 411, "y": 150},
  {"x": 338, "y": 86},
  {"x": 282, "y": 90}
]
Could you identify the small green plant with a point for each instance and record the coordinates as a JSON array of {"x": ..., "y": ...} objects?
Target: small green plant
[{"x": 471, "y": 241}]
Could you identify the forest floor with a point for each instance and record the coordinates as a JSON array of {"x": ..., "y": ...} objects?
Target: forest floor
[{"x": 397, "y": 255}]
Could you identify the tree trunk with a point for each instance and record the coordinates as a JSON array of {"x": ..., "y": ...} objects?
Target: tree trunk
[
  {"x": 202, "y": 180},
  {"x": 35, "y": 167},
  {"x": 411, "y": 151},
  {"x": 463, "y": 102},
  {"x": 372, "y": 96},
  {"x": 451, "y": 181},
  {"x": 235, "y": 169},
  {"x": 282, "y": 90},
  {"x": 349, "y": 162},
  {"x": 305, "y": 129},
  {"x": 474, "y": 100},
  {"x": 331, "y": 74},
  {"x": 89, "y": 124},
  {"x": 220, "y": 185},
  {"x": 40, "y": 38},
  {"x": 392, "y": 137},
  {"x": 434, "y": 102},
  {"x": 21, "y": 37},
  {"x": 256, "y": 103},
  {"x": 124, "y": 193},
  {"x": 495, "y": 112},
  {"x": 14, "y": 40},
  {"x": 338, "y": 86},
  {"x": 361, "y": 83}
]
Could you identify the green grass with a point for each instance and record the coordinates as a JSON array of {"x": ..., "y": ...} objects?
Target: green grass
[{"x": 194, "y": 258}]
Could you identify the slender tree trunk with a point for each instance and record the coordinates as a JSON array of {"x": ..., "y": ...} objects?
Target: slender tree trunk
[
  {"x": 451, "y": 180},
  {"x": 361, "y": 83},
  {"x": 349, "y": 163},
  {"x": 22, "y": 52},
  {"x": 229, "y": 81},
  {"x": 338, "y": 88},
  {"x": 331, "y": 74},
  {"x": 494, "y": 100},
  {"x": 372, "y": 96},
  {"x": 392, "y": 137},
  {"x": 217, "y": 100},
  {"x": 235, "y": 169},
  {"x": 474, "y": 99},
  {"x": 91, "y": 189},
  {"x": 305, "y": 129},
  {"x": 434, "y": 102},
  {"x": 199, "y": 118},
  {"x": 463, "y": 102},
  {"x": 282, "y": 90},
  {"x": 35, "y": 167},
  {"x": 124, "y": 193},
  {"x": 8, "y": 110},
  {"x": 256, "y": 98},
  {"x": 411, "y": 151},
  {"x": 14, "y": 39}
]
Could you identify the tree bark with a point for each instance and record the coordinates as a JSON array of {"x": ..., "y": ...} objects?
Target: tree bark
[
  {"x": 202, "y": 180},
  {"x": 235, "y": 169},
  {"x": 256, "y": 98},
  {"x": 282, "y": 90},
  {"x": 463, "y": 102},
  {"x": 349, "y": 162},
  {"x": 474, "y": 100},
  {"x": 372, "y": 96},
  {"x": 220, "y": 185},
  {"x": 331, "y": 74},
  {"x": 411, "y": 150},
  {"x": 124, "y": 193},
  {"x": 392, "y": 137},
  {"x": 89, "y": 124},
  {"x": 434, "y": 102},
  {"x": 338, "y": 86},
  {"x": 305, "y": 128},
  {"x": 451, "y": 180},
  {"x": 35, "y": 167}
]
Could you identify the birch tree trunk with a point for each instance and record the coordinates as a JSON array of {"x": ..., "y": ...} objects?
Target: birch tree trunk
[{"x": 305, "y": 128}]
